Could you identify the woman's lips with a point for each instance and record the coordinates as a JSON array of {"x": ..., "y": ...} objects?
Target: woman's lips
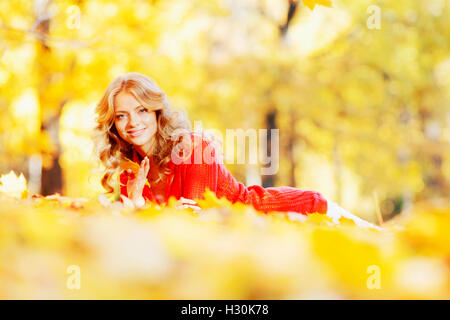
[{"x": 136, "y": 133}]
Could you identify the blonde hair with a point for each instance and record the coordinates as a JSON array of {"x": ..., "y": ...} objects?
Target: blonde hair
[{"x": 173, "y": 125}]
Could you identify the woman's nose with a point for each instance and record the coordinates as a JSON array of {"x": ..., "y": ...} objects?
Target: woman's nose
[{"x": 133, "y": 120}]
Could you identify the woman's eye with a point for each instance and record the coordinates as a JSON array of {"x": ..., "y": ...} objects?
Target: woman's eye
[
  {"x": 120, "y": 116},
  {"x": 143, "y": 110}
]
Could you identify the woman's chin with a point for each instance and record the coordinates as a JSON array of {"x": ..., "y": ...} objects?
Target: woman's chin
[{"x": 139, "y": 141}]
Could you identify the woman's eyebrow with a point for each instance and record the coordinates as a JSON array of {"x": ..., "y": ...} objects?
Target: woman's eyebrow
[{"x": 123, "y": 111}]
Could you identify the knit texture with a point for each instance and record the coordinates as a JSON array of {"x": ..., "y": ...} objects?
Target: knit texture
[{"x": 203, "y": 169}]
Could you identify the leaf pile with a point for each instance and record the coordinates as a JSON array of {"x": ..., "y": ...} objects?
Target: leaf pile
[{"x": 224, "y": 252}]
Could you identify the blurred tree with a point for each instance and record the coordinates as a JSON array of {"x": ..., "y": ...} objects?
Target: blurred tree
[{"x": 372, "y": 101}]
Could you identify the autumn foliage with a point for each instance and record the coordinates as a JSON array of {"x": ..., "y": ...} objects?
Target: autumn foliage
[
  {"x": 359, "y": 91},
  {"x": 59, "y": 247}
]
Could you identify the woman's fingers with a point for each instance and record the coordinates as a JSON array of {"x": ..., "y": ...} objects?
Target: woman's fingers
[
  {"x": 184, "y": 203},
  {"x": 335, "y": 212},
  {"x": 146, "y": 166},
  {"x": 185, "y": 206},
  {"x": 127, "y": 203},
  {"x": 142, "y": 173},
  {"x": 136, "y": 180},
  {"x": 142, "y": 166}
]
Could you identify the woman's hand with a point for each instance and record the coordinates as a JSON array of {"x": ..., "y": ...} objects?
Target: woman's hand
[
  {"x": 136, "y": 183},
  {"x": 184, "y": 203},
  {"x": 335, "y": 212}
]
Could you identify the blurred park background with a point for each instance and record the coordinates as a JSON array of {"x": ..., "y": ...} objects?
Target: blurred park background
[{"x": 360, "y": 90}]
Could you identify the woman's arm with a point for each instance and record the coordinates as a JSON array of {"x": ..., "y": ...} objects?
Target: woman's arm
[
  {"x": 200, "y": 170},
  {"x": 212, "y": 174}
]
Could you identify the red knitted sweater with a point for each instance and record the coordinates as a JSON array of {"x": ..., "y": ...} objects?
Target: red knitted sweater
[{"x": 203, "y": 169}]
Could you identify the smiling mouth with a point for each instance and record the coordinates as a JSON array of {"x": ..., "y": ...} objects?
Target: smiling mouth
[{"x": 136, "y": 133}]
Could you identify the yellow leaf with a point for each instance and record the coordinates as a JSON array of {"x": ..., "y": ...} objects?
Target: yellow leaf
[
  {"x": 13, "y": 185},
  {"x": 346, "y": 221},
  {"x": 211, "y": 201},
  {"x": 320, "y": 219},
  {"x": 312, "y": 3}
]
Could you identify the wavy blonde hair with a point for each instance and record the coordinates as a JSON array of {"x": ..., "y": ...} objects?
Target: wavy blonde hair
[{"x": 173, "y": 125}]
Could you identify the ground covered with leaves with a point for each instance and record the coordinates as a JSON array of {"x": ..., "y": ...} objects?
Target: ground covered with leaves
[{"x": 58, "y": 247}]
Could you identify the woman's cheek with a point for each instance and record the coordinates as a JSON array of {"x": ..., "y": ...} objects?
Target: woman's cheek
[
  {"x": 152, "y": 122},
  {"x": 120, "y": 129}
]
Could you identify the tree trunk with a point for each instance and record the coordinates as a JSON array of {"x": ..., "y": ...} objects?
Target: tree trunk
[
  {"x": 52, "y": 181},
  {"x": 51, "y": 178},
  {"x": 292, "y": 141},
  {"x": 269, "y": 180}
]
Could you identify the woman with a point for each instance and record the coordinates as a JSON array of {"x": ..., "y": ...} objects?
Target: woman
[{"x": 136, "y": 122}]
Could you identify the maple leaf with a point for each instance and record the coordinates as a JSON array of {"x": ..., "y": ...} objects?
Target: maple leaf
[
  {"x": 128, "y": 164},
  {"x": 320, "y": 219},
  {"x": 14, "y": 185},
  {"x": 211, "y": 201},
  {"x": 312, "y": 3}
]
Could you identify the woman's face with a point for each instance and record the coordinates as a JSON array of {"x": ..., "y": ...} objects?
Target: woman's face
[{"x": 135, "y": 123}]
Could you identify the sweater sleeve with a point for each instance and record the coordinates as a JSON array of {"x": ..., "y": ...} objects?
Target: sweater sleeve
[
  {"x": 123, "y": 179},
  {"x": 211, "y": 173}
]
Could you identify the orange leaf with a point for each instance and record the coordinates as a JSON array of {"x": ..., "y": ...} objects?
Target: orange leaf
[{"x": 128, "y": 164}]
